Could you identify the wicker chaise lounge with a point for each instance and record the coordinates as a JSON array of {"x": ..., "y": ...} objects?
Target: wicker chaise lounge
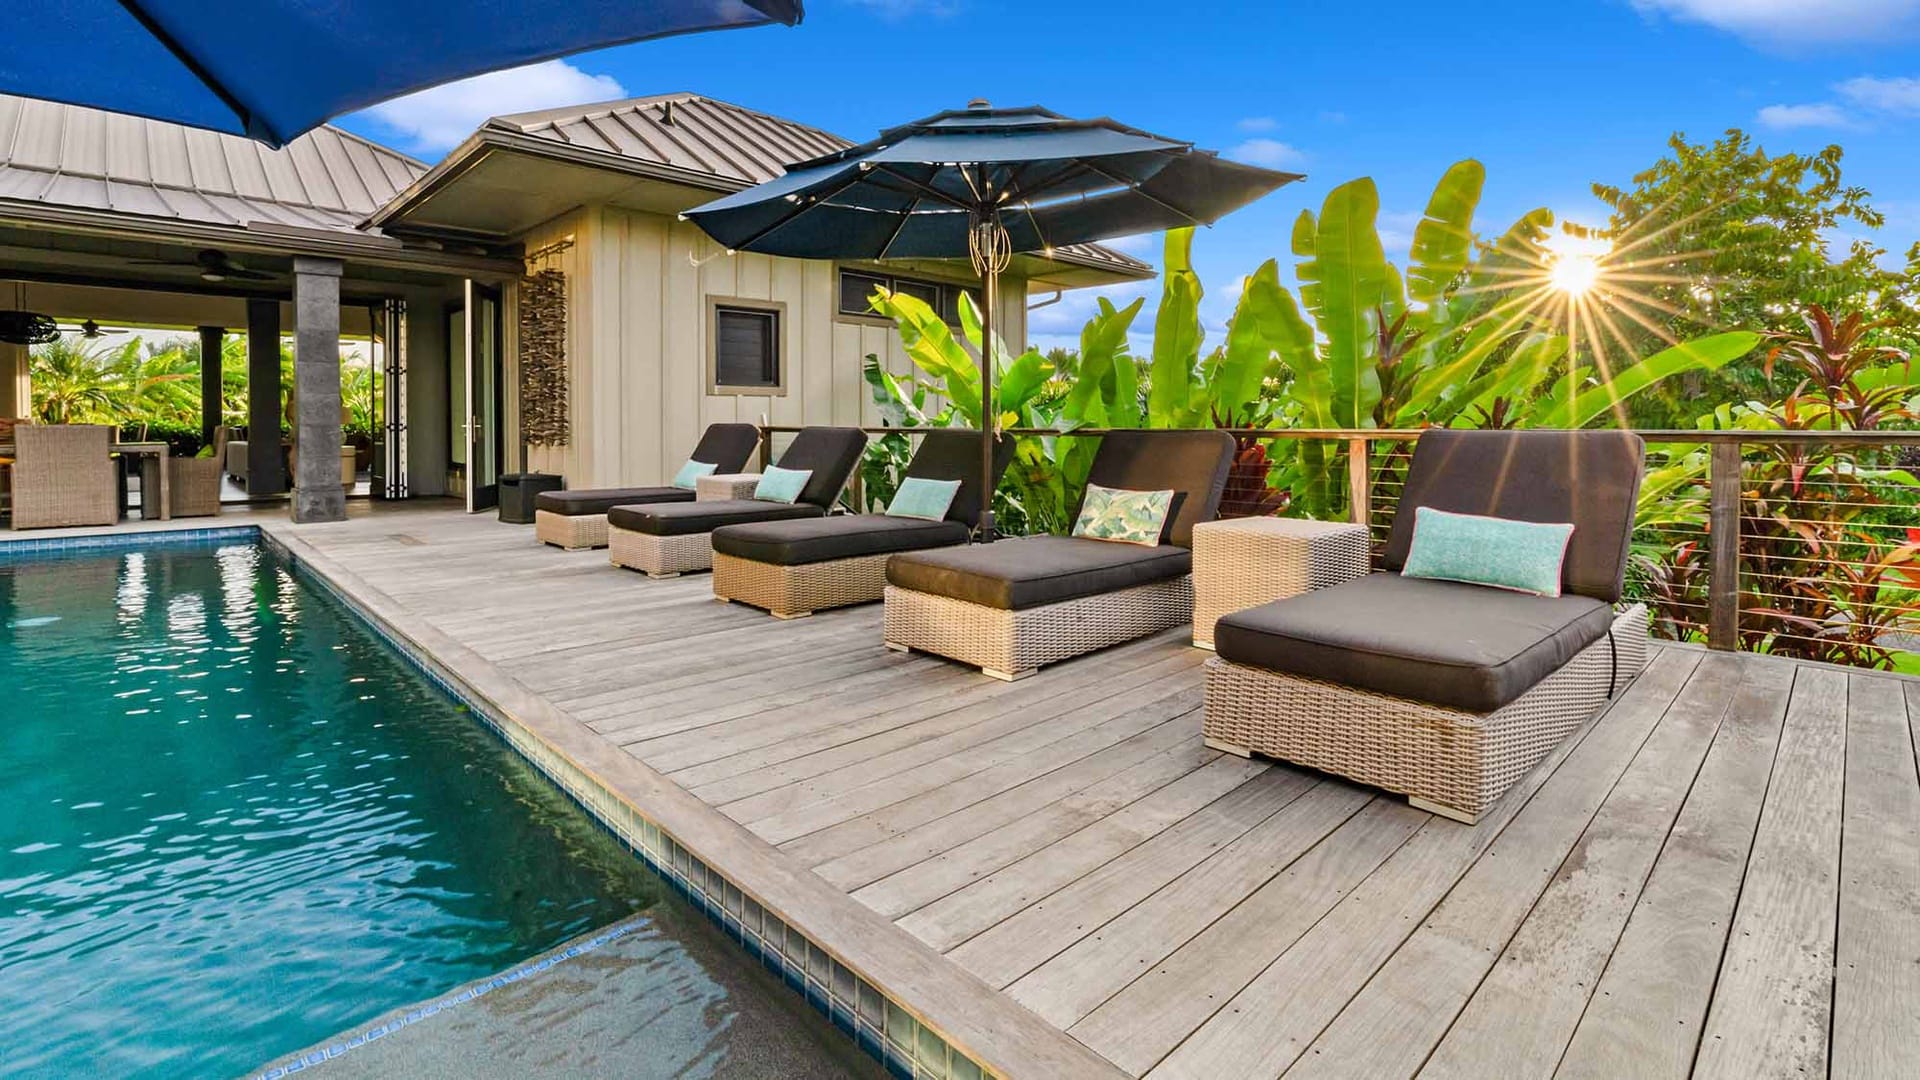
[
  {"x": 578, "y": 519},
  {"x": 794, "y": 568},
  {"x": 1009, "y": 607},
  {"x": 668, "y": 539},
  {"x": 1442, "y": 691}
]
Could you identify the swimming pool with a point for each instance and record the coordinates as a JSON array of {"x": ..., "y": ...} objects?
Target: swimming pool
[{"x": 239, "y": 824}]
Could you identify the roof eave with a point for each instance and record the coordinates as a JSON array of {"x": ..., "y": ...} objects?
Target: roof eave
[{"x": 264, "y": 238}]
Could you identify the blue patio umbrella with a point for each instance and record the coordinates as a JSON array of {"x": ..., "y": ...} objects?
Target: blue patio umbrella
[
  {"x": 272, "y": 69},
  {"x": 984, "y": 183}
]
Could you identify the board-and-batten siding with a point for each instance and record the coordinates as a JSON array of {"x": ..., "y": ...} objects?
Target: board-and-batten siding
[{"x": 638, "y": 344}]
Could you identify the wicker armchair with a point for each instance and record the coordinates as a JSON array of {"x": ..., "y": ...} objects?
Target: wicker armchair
[{"x": 63, "y": 475}]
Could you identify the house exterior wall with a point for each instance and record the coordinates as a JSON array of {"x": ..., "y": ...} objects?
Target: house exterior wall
[{"x": 639, "y": 292}]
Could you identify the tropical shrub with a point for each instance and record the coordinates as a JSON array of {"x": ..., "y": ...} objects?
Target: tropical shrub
[{"x": 1828, "y": 560}]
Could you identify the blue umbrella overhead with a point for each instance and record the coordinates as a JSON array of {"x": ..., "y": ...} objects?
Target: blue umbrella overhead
[
  {"x": 272, "y": 69},
  {"x": 984, "y": 183}
]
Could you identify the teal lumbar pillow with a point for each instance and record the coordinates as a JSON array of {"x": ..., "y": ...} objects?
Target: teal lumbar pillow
[
  {"x": 1525, "y": 556},
  {"x": 782, "y": 485},
  {"x": 689, "y": 475},
  {"x": 919, "y": 497},
  {"x": 1127, "y": 517}
]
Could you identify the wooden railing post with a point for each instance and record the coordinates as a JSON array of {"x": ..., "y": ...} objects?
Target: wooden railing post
[
  {"x": 1359, "y": 482},
  {"x": 766, "y": 447},
  {"x": 1723, "y": 541}
]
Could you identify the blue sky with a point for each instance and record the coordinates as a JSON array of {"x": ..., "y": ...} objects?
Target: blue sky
[{"x": 1551, "y": 96}]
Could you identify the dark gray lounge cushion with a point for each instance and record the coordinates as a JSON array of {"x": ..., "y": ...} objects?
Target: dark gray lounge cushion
[
  {"x": 1462, "y": 646},
  {"x": 689, "y": 518},
  {"x": 820, "y": 539},
  {"x": 588, "y": 501},
  {"x": 955, "y": 455},
  {"x": 1590, "y": 478},
  {"x": 831, "y": 454},
  {"x": 1194, "y": 463},
  {"x": 727, "y": 447},
  {"x": 1035, "y": 570}
]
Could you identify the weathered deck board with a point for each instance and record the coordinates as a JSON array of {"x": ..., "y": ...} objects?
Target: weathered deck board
[
  {"x": 1773, "y": 1005},
  {"x": 1876, "y": 991},
  {"x": 1644, "y": 1017},
  {"x": 1720, "y": 876}
]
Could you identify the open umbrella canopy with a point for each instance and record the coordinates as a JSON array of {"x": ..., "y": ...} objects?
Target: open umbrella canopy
[
  {"x": 918, "y": 190},
  {"x": 983, "y": 183},
  {"x": 272, "y": 69}
]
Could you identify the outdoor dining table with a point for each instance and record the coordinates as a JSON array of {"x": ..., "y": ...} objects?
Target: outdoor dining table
[{"x": 158, "y": 450}]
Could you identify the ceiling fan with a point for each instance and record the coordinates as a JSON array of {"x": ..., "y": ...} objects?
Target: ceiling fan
[
  {"x": 91, "y": 329},
  {"x": 214, "y": 266}
]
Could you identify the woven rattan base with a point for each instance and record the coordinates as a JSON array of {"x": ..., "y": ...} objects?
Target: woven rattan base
[
  {"x": 792, "y": 591},
  {"x": 659, "y": 556},
  {"x": 574, "y": 532},
  {"x": 1447, "y": 761},
  {"x": 1014, "y": 644}
]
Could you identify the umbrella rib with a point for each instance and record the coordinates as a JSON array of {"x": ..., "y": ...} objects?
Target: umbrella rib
[
  {"x": 249, "y": 119},
  {"x": 930, "y": 192},
  {"x": 1154, "y": 199},
  {"x": 905, "y": 216},
  {"x": 787, "y": 219}
]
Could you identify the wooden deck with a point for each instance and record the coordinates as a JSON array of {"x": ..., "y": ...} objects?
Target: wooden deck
[{"x": 1720, "y": 877}]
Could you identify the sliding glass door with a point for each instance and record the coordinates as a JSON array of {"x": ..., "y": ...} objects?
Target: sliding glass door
[{"x": 485, "y": 437}]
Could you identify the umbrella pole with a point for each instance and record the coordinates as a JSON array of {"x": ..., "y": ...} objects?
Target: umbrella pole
[{"x": 992, "y": 251}]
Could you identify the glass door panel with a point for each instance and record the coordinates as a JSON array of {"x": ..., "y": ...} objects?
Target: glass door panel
[{"x": 484, "y": 393}]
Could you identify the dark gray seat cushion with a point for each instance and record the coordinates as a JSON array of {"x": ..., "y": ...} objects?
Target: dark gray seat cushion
[
  {"x": 727, "y": 447},
  {"x": 1589, "y": 478},
  {"x": 813, "y": 540},
  {"x": 830, "y": 454},
  {"x": 689, "y": 518},
  {"x": 1462, "y": 646},
  {"x": 588, "y": 501},
  {"x": 1035, "y": 570},
  {"x": 1194, "y": 464},
  {"x": 955, "y": 455}
]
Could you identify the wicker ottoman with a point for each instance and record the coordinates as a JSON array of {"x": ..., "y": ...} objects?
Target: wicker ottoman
[
  {"x": 794, "y": 592},
  {"x": 1013, "y": 644},
  {"x": 1246, "y": 562},
  {"x": 1447, "y": 761},
  {"x": 570, "y": 531},
  {"x": 724, "y": 487},
  {"x": 660, "y": 556}
]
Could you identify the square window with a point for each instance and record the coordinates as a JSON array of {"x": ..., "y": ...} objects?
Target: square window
[
  {"x": 746, "y": 348},
  {"x": 856, "y": 289}
]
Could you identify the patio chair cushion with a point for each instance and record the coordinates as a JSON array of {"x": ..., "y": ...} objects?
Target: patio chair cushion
[
  {"x": 1461, "y": 646},
  {"x": 588, "y": 501},
  {"x": 727, "y": 446},
  {"x": 955, "y": 455},
  {"x": 1193, "y": 463},
  {"x": 1016, "y": 574},
  {"x": 830, "y": 454},
  {"x": 690, "y": 518},
  {"x": 1589, "y": 478},
  {"x": 821, "y": 539}
]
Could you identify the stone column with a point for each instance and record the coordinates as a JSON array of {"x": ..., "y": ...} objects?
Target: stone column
[
  {"x": 211, "y": 339},
  {"x": 317, "y": 491},
  {"x": 265, "y": 475}
]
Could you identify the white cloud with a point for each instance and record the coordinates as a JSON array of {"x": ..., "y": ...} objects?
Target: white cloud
[
  {"x": 1789, "y": 117},
  {"x": 1258, "y": 123},
  {"x": 1793, "y": 22},
  {"x": 438, "y": 118},
  {"x": 1271, "y": 153},
  {"x": 1885, "y": 95},
  {"x": 897, "y": 10}
]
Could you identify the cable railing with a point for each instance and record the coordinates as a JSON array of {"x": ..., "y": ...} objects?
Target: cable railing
[{"x": 1824, "y": 561}]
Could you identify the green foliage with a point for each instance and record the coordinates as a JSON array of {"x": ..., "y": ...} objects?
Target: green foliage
[{"x": 1724, "y": 235}]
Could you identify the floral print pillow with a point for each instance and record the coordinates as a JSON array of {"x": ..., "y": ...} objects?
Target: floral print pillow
[{"x": 1126, "y": 517}]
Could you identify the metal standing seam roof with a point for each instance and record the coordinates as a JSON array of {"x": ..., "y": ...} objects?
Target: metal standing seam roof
[
  {"x": 703, "y": 135},
  {"x": 73, "y": 156}
]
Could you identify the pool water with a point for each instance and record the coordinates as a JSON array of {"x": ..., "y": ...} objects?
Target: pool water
[{"x": 238, "y": 824}]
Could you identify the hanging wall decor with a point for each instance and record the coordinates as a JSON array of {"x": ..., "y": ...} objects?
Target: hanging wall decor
[{"x": 543, "y": 358}]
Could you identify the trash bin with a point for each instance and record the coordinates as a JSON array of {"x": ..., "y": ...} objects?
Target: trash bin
[{"x": 518, "y": 492}]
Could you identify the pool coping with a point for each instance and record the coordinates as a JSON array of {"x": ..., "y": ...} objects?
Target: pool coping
[{"x": 921, "y": 1016}]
